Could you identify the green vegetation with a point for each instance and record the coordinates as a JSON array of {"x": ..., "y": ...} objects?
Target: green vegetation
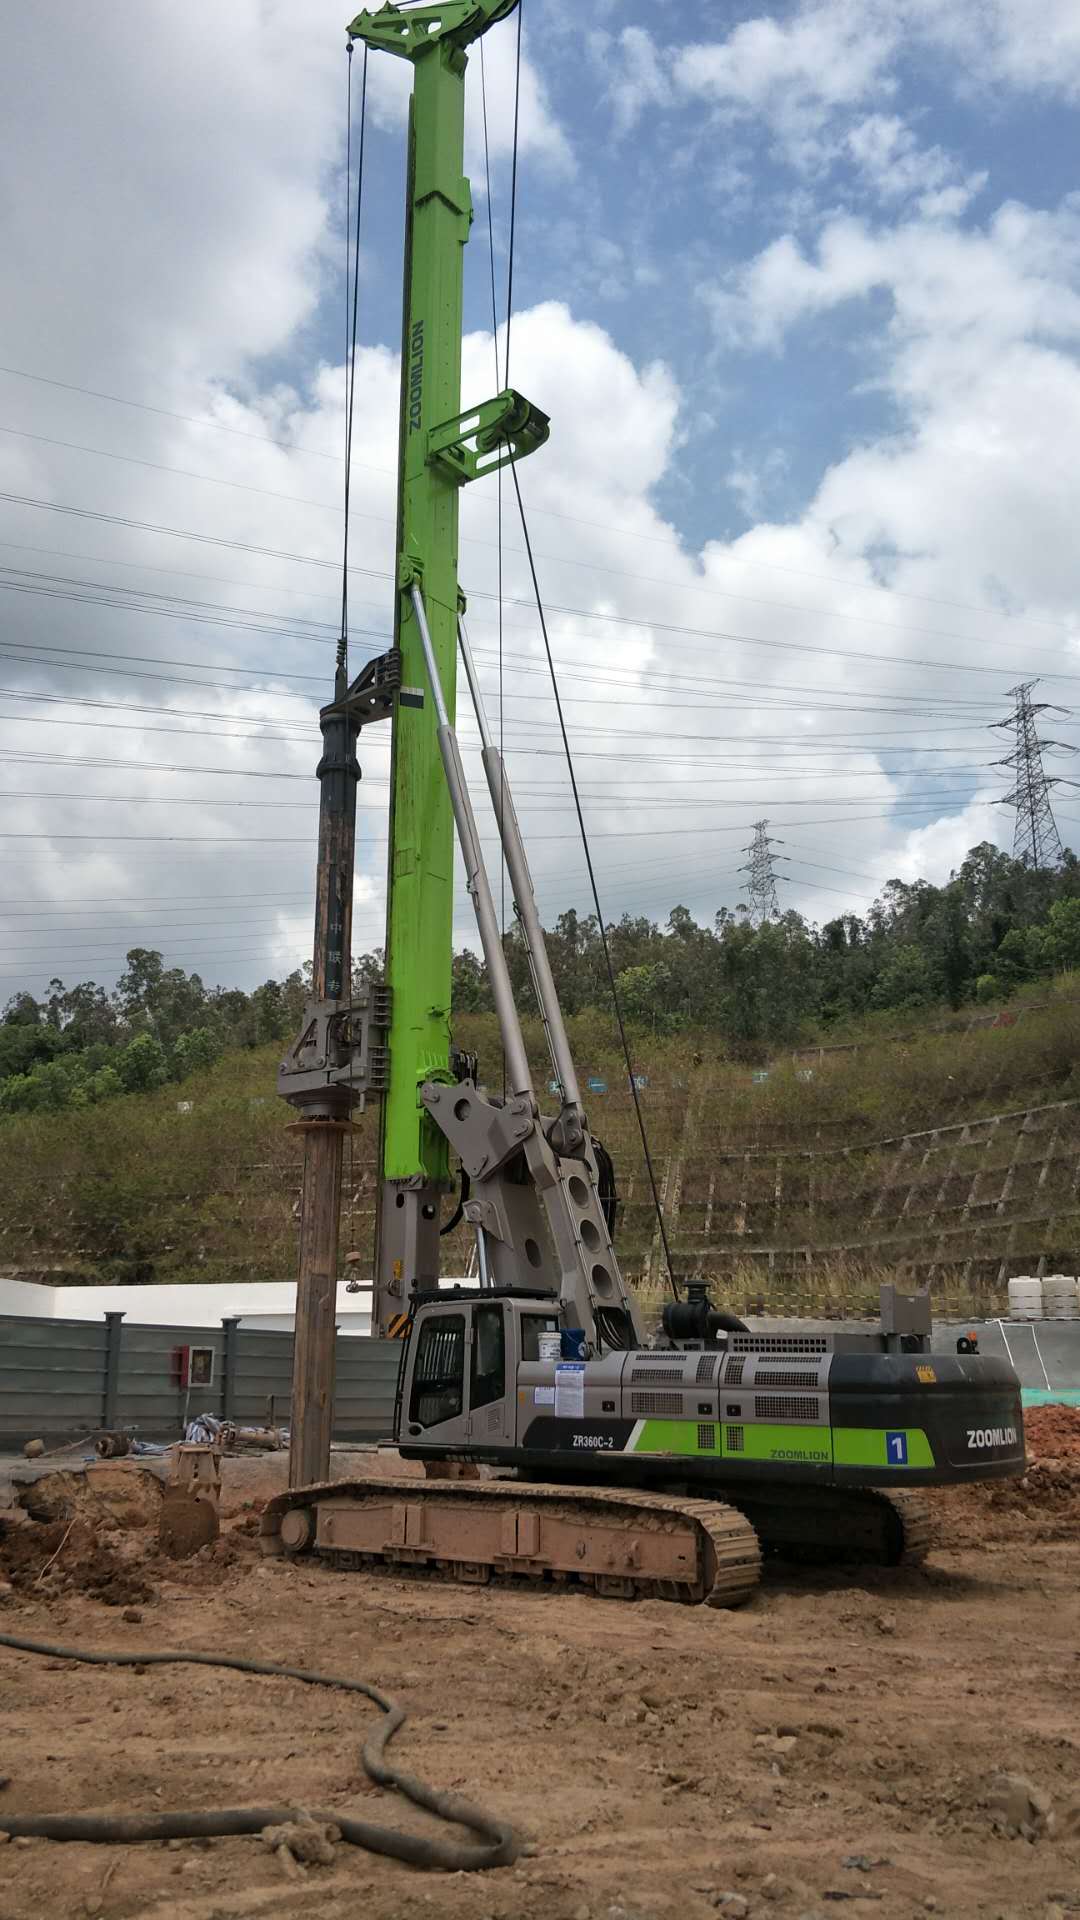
[
  {"x": 80, "y": 1045},
  {"x": 994, "y": 927}
]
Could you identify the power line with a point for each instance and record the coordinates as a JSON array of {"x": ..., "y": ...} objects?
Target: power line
[
  {"x": 30, "y": 758},
  {"x": 637, "y": 621},
  {"x": 637, "y": 534},
  {"x": 154, "y": 800}
]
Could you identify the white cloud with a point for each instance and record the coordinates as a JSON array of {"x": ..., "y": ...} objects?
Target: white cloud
[
  {"x": 824, "y": 54},
  {"x": 638, "y": 76},
  {"x": 938, "y": 851},
  {"x": 888, "y": 156},
  {"x": 805, "y": 75},
  {"x": 1018, "y": 276},
  {"x": 998, "y": 42},
  {"x": 797, "y": 73},
  {"x": 752, "y": 481}
]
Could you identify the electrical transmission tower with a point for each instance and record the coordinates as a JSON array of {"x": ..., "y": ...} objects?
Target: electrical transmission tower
[
  {"x": 1036, "y": 840},
  {"x": 760, "y": 889}
]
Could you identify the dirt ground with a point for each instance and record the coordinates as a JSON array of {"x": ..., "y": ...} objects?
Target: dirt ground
[{"x": 829, "y": 1749}]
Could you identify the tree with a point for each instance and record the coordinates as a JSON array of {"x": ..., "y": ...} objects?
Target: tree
[
  {"x": 1063, "y": 933},
  {"x": 643, "y": 992},
  {"x": 138, "y": 985},
  {"x": 141, "y": 1064},
  {"x": 469, "y": 985},
  {"x": 195, "y": 1050},
  {"x": 907, "y": 981}
]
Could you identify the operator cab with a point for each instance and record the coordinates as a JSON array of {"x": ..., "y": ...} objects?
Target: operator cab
[{"x": 460, "y": 1367}]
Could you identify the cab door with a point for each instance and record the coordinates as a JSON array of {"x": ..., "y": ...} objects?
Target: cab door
[
  {"x": 491, "y": 1406},
  {"x": 436, "y": 1409}
]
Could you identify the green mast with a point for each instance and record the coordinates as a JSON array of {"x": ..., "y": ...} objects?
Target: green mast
[{"x": 440, "y": 450}]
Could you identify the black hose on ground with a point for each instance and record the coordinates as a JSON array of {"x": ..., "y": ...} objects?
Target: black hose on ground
[{"x": 498, "y": 1844}]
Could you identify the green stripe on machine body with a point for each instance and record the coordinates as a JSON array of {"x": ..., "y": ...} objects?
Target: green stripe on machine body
[
  {"x": 764, "y": 1441},
  {"x": 866, "y": 1447}
]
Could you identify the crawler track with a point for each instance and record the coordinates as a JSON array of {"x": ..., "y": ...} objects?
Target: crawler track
[
  {"x": 618, "y": 1541},
  {"x": 839, "y": 1523}
]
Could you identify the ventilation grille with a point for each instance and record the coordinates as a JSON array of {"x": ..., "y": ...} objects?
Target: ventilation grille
[
  {"x": 785, "y": 1406},
  {"x": 736, "y": 1439},
  {"x": 706, "y": 1367},
  {"x": 706, "y": 1437},
  {"x": 784, "y": 1343},
  {"x": 656, "y": 1403},
  {"x": 787, "y": 1377},
  {"x": 657, "y": 1373},
  {"x": 733, "y": 1373},
  {"x": 494, "y": 1419}
]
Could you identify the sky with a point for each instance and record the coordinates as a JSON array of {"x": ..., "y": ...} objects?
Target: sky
[{"x": 800, "y": 290}]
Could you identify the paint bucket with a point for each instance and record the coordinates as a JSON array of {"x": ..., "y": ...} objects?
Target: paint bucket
[
  {"x": 1025, "y": 1299},
  {"x": 549, "y": 1348}
]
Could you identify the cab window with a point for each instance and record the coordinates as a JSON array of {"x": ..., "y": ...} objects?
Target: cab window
[
  {"x": 488, "y": 1356},
  {"x": 439, "y": 1374}
]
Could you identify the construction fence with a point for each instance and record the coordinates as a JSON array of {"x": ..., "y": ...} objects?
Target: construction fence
[{"x": 63, "y": 1378}]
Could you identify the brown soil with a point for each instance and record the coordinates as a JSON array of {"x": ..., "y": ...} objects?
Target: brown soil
[
  {"x": 71, "y": 1557},
  {"x": 116, "y": 1493},
  {"x": 829, "y": 1749},
  {"x": 1053, "y": 1433}
]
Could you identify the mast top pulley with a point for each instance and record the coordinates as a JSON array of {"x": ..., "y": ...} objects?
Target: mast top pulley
[{"x": 408, "y": 31}]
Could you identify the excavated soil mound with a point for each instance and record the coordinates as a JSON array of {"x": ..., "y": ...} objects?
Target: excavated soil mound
[
  {"x": 1052, "y": 1433},
  {"x": 82, "y": 1562},
  {"x": 1043, "y": 1504},
  {"x": 115, "y": 1494}
]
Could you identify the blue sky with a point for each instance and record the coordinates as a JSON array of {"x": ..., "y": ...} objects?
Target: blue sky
[{"x": 800, "y": 288}]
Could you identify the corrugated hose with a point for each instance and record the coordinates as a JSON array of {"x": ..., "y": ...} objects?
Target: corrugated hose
[{"x": 497, "y": 1844}]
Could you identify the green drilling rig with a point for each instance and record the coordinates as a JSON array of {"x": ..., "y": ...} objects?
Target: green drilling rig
[{"x": 663, "y": 1468}]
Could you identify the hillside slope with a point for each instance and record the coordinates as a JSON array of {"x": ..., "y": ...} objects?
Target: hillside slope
[{"x": 953, "y": 1155}]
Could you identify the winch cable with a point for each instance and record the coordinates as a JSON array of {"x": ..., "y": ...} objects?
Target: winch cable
[
  {"x": 497, "y": 1844},
  {"x": 619, "y": 1021}
]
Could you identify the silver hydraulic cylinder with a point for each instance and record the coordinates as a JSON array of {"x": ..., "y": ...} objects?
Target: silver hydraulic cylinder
[
  {"x": 517, "y": 862},
  {"x": 518, "y": 1076}
]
